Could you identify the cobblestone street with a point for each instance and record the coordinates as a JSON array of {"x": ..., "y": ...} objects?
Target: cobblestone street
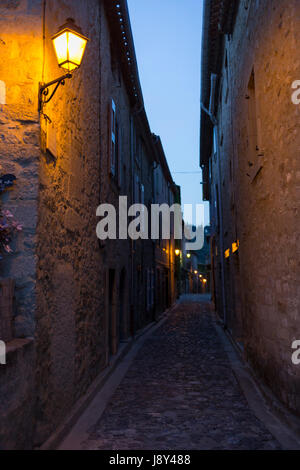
[{"x": 180, "y": 393}]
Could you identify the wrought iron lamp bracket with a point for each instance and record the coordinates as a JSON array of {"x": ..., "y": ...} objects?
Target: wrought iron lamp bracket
[{"x": 44, "y": 89}]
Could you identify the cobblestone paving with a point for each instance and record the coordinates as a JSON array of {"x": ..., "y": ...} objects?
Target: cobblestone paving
[{"x": 180, "y": 393}]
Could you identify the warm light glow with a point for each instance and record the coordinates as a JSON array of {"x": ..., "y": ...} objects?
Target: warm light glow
[
  {"x": 196, "y": 272},
  {"x": 235, "y": 246},
  {"x": 200, "y": 275},
  {"x": 188, "y": 255},
  {"x": 69, "y": 47},
  {"x": 205, "y": 281},
  {"x": 177, "y": 252},
  {"x": 227, "y": 253}
]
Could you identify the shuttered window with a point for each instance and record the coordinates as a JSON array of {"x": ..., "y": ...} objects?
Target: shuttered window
[{"x": 113, "y": 137}]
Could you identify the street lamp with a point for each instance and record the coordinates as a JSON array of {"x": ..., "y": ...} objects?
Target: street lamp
[{"x": 69, "y": 45}]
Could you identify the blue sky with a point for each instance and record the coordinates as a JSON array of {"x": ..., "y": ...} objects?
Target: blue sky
[{"x": 167, "y": 35}]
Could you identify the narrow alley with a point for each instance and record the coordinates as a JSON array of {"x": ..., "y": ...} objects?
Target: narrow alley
[
  {"x": 179, "y": 393},
  {"x": 149, "y": 226}
]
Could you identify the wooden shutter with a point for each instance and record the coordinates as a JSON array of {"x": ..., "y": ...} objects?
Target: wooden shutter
[
  {"x": 112, "y": 137},
  {"x": 120, "y": 160}
]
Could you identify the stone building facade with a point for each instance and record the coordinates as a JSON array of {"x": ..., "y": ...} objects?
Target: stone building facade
[
  {"x": 167, "y": 263},
  {"x": 250, "y": 158},
  {"x": 76, "y": 297}
]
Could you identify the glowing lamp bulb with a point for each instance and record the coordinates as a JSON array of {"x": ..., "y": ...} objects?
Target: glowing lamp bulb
[{"x": 69, "y": 45}]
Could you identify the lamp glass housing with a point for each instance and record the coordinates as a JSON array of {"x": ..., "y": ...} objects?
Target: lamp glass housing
[{"x": 69, "y": 46}]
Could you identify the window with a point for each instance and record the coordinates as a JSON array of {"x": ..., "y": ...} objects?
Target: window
[
  {"x": 215, "y": 140},
  {"x": 217, "y": 208},
  {"x": 142, "y": 194},
  {"x": 136, "y": 189},
  {"x": 113, "y": 137},
  {"x": 227, "y": 78},
  {"x": 142, "y": 199},
  {"x": 115, "y": 154},
  {"x": 120, "y": 169},
  {"x": 118, "y": 154}
]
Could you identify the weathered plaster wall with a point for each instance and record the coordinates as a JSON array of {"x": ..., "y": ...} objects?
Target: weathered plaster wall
[
  {"x": 264, "y": 214},
  {"x": 20, "y": 71},
  {"x": 70, "y": 290},
  {"x": 62, "y": 166}
]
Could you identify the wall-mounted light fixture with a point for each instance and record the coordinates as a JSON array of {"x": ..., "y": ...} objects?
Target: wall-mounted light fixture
[
  {"x": 235, "y": 246},
  {"x": 188, "y": 255},
  {"x": 69, "y": 45},
  {"x": 177, "y": 252}
]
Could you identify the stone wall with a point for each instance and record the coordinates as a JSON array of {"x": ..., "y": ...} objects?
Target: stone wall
[
  {"x": 17, "y": 392},
  {"x": 73, "y": 302},
  {"x": 70, "y": 291},
  {"x": 261, "y": 209},
  {"x": 20, "y": 72}
]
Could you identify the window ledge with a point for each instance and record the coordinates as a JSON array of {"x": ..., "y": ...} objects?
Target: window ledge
[{"x": 17, "y": 344}]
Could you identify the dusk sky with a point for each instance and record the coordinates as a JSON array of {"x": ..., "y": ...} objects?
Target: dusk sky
[{"x": 167, "y": 36}]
